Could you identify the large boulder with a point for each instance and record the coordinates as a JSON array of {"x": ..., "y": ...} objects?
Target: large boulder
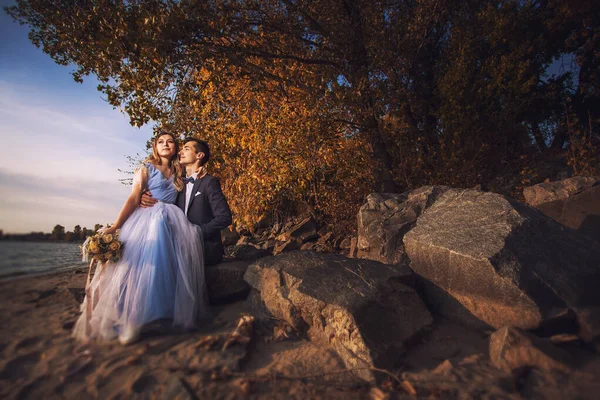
[
  {"x": 366, "y": 311},
  {"x": 560, "y": 190},
  {"x": 492, "y": 260},
  {"x": 225, "y": 281},
  {"x": 385, "y": 218},
  {"x": 574, "y": 202}
]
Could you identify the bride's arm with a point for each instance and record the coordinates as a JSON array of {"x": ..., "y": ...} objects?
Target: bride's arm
[{"x": 133, "y": 201}]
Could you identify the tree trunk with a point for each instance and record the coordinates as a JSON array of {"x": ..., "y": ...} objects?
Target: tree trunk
[
  {"x": 539, "y": 137},
  {"x": 382, "y": 160}
]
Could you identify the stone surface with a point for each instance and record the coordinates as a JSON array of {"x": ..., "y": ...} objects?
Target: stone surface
[
  {"x": 512, "y": 348},
  {"x": 580, "y": 211},
  {"x": 308, "y": 246},
  {"x": 473, "y": 377},
  {"x": 246, "y": 252},
  {"x": 325, "y": 237},
  {"x": 304, "y": 231},
  {"x": 288, "y": 245},
  {"x": 269, "y": 245},
  {"x": 243, "y": 240},
  {"x": 487, "y": 259},
  {"x": 225, "y": 281},
  {"x": 353, "y": 252},
  {"x": 385, "y": 218},
  {"x": 229, "y": 237},
  {"x": 366, "y": 311},
  {"x": 560, "y": 190},
  {"x": 345, "y": 243}
]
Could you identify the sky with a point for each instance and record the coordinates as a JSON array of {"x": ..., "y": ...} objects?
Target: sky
[{"x": 61, "y": 143}]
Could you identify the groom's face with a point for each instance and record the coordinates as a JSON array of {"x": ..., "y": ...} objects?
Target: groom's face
[{"x": 188, "y": 154}]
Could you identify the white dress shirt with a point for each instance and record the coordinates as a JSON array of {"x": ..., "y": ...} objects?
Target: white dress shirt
[{"x": 188, "y": 192}]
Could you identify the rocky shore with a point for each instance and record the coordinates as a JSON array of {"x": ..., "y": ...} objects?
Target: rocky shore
[{"x": 443, "y": 293}]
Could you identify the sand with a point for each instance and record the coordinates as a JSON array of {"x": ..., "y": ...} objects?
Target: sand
[{"x": 39, "y": 359}]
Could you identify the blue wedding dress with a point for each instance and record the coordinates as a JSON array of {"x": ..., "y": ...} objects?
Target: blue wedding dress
[{"x": 160, "y": 274}]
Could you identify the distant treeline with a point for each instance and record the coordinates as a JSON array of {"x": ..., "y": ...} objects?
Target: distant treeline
[{"x": 58, "y": 234}]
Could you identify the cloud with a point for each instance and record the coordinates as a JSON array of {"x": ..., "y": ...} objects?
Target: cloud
[
  {"x": 36, "y": 202},
  {"x": 61, "y": 158},
  {"x": 39, "y": 113}
]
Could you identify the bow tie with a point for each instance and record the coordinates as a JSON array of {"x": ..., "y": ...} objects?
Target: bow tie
[{"x": 189, "y": 179}]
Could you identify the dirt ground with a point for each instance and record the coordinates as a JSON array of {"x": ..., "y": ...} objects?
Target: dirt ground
[{"x": 39, "y": 359}]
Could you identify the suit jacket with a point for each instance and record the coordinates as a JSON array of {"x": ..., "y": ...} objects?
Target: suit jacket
[{"x": 209, "y": 210}]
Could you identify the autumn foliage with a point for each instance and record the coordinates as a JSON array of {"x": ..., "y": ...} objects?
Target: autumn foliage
[{"x": 310, "y": 105}]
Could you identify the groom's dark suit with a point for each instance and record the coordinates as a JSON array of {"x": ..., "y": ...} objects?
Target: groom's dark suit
[{"x": 209, "y": 210}]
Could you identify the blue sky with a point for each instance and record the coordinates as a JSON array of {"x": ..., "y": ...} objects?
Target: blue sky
[{"x": 61, "y": 143}]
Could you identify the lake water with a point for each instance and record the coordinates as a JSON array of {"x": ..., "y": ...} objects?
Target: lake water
[{"x": 18, "y": 258}]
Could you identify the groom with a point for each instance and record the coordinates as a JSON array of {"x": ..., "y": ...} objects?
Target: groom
[{"x": 201, "y": 198}]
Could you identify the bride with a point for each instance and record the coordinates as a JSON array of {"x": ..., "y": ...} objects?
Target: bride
[{"x": 161, "y": 273}]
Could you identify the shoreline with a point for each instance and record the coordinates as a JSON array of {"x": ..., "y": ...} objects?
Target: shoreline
[
  {"x": 24, "y": 275},
  {"x": 37, "y": 258}
]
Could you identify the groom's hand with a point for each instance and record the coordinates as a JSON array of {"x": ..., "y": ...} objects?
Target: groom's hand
[{"x": 147, "y": 200}]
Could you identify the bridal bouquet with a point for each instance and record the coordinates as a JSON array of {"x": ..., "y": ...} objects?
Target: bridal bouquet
[{"x": 102, "y": 247}]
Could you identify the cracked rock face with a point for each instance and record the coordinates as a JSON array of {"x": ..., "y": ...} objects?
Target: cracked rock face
[
  {"x": 385, "y": 218},
  {"x": 499, "y": 262},
  {"x": 560, "y": 190},
  {"x": 573, "y": 202},
  {"x": 366, "y": 311}
]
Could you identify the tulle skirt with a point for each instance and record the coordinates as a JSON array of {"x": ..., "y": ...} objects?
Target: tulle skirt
[{"x": 160, "y": 276}]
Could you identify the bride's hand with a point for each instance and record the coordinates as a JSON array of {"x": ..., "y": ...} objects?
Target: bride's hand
[{"x": 106, "y": 231}]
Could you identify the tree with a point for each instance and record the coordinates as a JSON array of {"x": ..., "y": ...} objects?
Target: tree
[
  {"x": 77, "y": 232},
  {"x": 58, "y": 233},
  {"x": 316, "y": 103},
  {"x": 96, "y": 227},
  {"x": 85, "y": 233}
]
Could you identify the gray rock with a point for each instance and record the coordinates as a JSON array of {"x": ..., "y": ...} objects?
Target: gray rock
[
  {"x": 366, "y": 311},
  {"x": 346, "y": 243},
  {"x": 353, "y": 252},
  {"x": 512, "y": 348},
  {"x": 474, "y": 377},
  {"x": 304, "y": 231},
  {"x": 385, "y": 218},
  {"x": 229, "y": 237},
  {"x": 269, "y": 245},
  {"x": 246, "y": 252},
  {"x": 225, "y": 281},
  {"x": 243, "y": 240},
  {"x": 325, "y": 238},
  {"x": 579, "y": 210},
  {"x": 288, "y": 245},
  {"x": 560, "y": 190},
  {"x": 308, "y": 246},
  {"x": 495, "y": 261}
]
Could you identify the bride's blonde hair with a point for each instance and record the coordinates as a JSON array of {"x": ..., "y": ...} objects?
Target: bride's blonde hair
[{"x": 176, "y": 170}]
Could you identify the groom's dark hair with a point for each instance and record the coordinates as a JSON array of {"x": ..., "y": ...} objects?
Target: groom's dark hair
[{"x": 201, "y": 147}]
